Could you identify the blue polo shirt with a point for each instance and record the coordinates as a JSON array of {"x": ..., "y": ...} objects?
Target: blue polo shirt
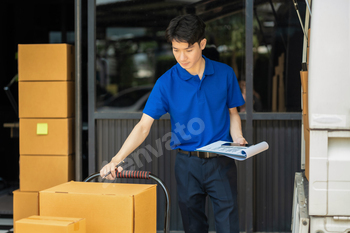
[{"x": 198, "y": 108}]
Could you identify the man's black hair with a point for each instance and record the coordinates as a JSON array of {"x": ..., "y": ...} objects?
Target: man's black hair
[{"x": 186, "y": 28}]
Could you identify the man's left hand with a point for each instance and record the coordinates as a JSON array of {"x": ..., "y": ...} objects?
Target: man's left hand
[{"x": 241, "y": 141}]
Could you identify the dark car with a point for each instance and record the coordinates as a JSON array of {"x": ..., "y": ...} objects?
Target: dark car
[{"x": 129, "y": 100}]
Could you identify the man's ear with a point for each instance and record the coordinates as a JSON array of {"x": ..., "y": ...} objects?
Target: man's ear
[{"x": 203, "y": 43}]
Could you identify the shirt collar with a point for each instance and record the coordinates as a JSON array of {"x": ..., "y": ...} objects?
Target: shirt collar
[{"x": 208, "y": 70}]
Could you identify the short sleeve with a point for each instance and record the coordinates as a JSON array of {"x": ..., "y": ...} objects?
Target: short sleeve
[
  {"x": 157, "y": 104},
  {"x": 234, "y": 94}
]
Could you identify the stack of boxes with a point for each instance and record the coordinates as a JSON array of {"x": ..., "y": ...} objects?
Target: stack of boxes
[
  {"x": 46, "y": 202},
  {"x": 88, "y": 207},
  {"x": 46, "y": 111},
  {"x": 107, "y": 207}
]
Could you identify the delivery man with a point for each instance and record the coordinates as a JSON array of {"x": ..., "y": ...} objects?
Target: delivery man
[{"x": 201, "y": 97}]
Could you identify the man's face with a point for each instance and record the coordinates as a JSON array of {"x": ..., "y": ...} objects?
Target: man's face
[{"x": 188, "y": 56}]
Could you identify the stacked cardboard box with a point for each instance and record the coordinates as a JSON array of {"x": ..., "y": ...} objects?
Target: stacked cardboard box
[
  {"x": 25, "y": 204},
  {"x": 46, "y": 112},
  {"x": 42, "y": 224}
]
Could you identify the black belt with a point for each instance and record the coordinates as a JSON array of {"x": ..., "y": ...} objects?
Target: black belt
[{"x": 199, "y": 154}]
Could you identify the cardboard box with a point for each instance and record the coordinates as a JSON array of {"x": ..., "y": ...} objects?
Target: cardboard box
[
  {"x": 43, "y": 224},
  {"x": 25, "y": 204},
  {"x": 46, "y": 136},
  {"x": 107, "y": 207},
  {"x": 46, "y": 99},
  {"x": 304, "y": 84},
  {"x": 42, "y": 62},
  {"x": 39, "y": 172},
  {"x": 307, "y": 152}
]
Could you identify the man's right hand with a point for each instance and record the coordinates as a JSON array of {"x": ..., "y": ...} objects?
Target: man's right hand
[
  {"x": 110, "y": 167},
  {"x": 135, "y": 138}
]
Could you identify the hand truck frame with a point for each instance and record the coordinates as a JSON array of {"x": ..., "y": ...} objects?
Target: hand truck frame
[{"x": 146, "y": 175}]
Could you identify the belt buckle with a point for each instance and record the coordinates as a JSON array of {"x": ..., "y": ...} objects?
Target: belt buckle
[{"x": 205, "y": 155}]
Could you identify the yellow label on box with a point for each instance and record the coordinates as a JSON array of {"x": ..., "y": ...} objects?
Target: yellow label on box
[{"x": 42, "y": 129}]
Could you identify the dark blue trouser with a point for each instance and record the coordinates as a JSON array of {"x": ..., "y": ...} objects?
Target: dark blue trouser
[{"x": 196, "y": 178}]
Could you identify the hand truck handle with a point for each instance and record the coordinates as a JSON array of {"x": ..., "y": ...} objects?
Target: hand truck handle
[{"x": 133, "y": 174}]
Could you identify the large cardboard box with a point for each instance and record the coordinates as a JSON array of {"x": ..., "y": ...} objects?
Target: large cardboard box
[
  {"x": 39, "y": 62},
  {"x": 43, "y": 224},
  {"x": 107, "y": 207},
  {"x": 46, "y": 99},
  {"x": 39, "y": 172},
  {"x": 46, "y": 136},
  {"x": 25, "y": 204}
]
